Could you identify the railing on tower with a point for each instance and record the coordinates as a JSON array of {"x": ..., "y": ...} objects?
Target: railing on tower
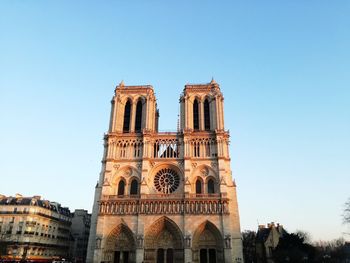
[
  {"x": 125, "y": 148},
  {"x": 166, "y": 147},
  {"x": 163, "y": 145}
]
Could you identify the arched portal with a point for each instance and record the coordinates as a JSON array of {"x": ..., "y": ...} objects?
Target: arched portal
[
  {"x": 121, "y": 245},
  {"x": 208, "y": 244},
  {"x": 164, "y": 242}
]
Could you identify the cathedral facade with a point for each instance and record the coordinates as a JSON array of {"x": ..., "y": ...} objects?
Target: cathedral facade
[{"x": 166, "y": 196}]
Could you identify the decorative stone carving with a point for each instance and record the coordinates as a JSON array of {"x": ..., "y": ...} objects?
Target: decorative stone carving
[
  {"x": 194, "y": 165},
  {"x": 222, "y": 180},
  {"x": 139, "y": 166},
  {"x": 187, "y": 241},
  {"x": 139, "y": 240},
  {"x": 205, "y": 171},
  {"x": 234, "y": 183},
  {"x": 152, "y": 163},
  {"x": 116, "y": 166},
  {"x": 98, "y": 242},
  {"x": 106, "y": 182},
  {"x": 227, "y": 241},
  {"x": 166, "y": 181},
  {"x": 128, "y": 172}
]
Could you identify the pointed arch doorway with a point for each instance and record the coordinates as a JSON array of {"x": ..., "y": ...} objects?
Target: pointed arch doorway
[
  {"x": 164, "y": 242},
  {"x": 208, "y": 244},
  {"x": 121, "y": 245}
]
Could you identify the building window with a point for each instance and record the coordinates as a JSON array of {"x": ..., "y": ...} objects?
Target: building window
[
  {"x": 160, "y": 255},
  {"x": 134, "y": 187},
  {"x": 138, "y": 118},
  {"x": 206, "y": 115},
  {"x": 211, "y": 189},
  {"x": 121, "y": 187},
  {"x": 195, "y": 115},
  {"x": 126, "y": 126},
  {"x": 198, "y": 186}
]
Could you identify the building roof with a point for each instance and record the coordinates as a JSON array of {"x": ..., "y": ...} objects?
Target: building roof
[
  {"x": 34, "y": 201},
  {"x": 264, "y": 232}
]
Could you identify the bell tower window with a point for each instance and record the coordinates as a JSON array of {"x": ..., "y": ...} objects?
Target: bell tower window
[
  {"x": 206, "y": 115},
  {"x": 126, "y": 126},
  {"x": 134, "y": 187},
  {"x": 138, "y": 118},
  {"x": 198, "y": 187},
  {"x": 195, "y": 115},
  {"x": 121, "y": 187},
  {"x": 211, "y": 189}
]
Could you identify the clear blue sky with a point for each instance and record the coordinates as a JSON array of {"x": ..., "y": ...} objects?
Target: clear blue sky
[{"x": 283, "y": 66}]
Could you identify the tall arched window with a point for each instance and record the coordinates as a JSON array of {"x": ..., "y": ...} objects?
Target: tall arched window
[
  {"x": 121, "y": 187},
  {"x": 198, "y": 186},
  {"x": 127, "y": 110},
  {"x": 195, "y": 115},
  {"x": 211, "y": 189},
  {"x": 138, "y": 118},
  {"x": 134, "y": 188},
  {"x": 206, "y": 115}
]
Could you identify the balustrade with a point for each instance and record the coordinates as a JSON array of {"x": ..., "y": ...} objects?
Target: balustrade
[
  {"x": 165, "y": 204},
  {"x": 164, "y": 146}
]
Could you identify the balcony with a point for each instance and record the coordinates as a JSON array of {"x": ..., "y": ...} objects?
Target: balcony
[{"x": 164, "y": 196}]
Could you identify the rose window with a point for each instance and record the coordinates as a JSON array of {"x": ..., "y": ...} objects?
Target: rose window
[{"x": 166, "y": 181}]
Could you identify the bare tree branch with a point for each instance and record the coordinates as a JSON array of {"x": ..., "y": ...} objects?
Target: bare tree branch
[{"x": 346, "y": 212}]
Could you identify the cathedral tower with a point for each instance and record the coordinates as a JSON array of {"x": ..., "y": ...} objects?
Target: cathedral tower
[{"x": 166, "y": 196}]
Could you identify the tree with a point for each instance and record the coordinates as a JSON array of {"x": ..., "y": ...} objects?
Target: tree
[
  {"x": 249, "y": 251},
  {"x": 331, "y": 251},
  {"x": 292, "y": 248}
]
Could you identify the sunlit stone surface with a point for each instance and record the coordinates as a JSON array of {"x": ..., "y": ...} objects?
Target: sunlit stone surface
[{"x": 166, "y": 196}]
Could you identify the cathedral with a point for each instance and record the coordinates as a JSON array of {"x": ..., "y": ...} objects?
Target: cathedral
[{"x": 166, "y": 197}]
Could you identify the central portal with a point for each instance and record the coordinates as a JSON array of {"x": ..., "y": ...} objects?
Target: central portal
[{"x": 164, "y": 242}]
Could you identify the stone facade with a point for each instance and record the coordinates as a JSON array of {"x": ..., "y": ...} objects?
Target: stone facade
[
  {"x": 33, "y": 229},
  {"x": 166, "y": 196}
]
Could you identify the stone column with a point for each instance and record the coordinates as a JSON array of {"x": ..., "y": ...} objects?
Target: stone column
[
  {"x": 201, "y": 115},
  {"x": 133, "y": 117}
]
